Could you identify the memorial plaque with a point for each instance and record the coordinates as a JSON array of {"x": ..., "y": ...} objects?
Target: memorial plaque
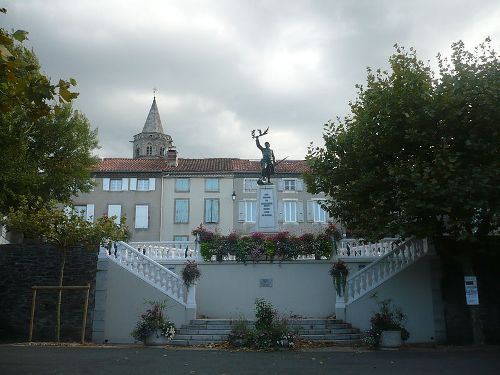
[{"x": 266, "y": 209}]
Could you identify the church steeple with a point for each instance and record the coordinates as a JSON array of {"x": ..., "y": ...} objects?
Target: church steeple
[
  {"x": 152, "y": 142},
  {"x": 153, "y": 122}
]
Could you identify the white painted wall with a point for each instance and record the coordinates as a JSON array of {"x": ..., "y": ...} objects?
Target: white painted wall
[
  {"x": 125, "y": 302},
  {"x": 412, "y": 291},
  {"x": 229, "y": 290}
]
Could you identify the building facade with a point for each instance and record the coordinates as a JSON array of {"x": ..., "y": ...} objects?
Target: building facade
[{"x": 165, "y": 197}]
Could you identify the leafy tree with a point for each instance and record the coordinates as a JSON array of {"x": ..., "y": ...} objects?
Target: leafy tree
[
  {"x": 49, "y": 223},
  {"x": 46, "y": 146},
  {"x": 419, "y": 154}
]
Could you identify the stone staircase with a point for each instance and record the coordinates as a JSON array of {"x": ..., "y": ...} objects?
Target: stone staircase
[{"x": 206, "y": 331}]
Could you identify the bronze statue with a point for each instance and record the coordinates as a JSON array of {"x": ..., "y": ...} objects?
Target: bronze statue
[{"x": 268, "y": 161}]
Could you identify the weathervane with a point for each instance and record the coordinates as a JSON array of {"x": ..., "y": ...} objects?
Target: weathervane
[{"x": 155, "y": 90}]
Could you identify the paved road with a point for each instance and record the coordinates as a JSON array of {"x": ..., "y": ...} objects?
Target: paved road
[{"x": 23, "y": 360}]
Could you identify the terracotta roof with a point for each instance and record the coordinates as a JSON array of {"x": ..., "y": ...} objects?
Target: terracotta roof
[{"x": 195, "y": 165}]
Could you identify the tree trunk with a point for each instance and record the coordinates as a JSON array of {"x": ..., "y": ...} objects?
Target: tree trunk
[
  {"x": 474, "y": 310},
  {"x": 59, "y": 297}
]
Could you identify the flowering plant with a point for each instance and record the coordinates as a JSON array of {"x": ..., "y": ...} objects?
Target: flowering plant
[
  {"x": 190, "y": 273},
  {"x": 339, "y": 272},
  {"x": 388, "y": 318},
  {"x": 154, "y": 321}
]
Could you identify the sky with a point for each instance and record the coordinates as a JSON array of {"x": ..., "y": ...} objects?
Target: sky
[{"x": 225, "y": 67}]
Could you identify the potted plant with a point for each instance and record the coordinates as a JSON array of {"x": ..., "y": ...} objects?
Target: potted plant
[
  {"x": 339, "y": 272},
  {"x": 154, "y": 328},
  {"x": 190, "y": 273},
  {"x": 387, "y": 327}
]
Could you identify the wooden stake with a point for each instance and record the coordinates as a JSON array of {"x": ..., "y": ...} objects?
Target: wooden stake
[
  {"x": 33, "y": 302},
  {"x": 85, "y": 308}
]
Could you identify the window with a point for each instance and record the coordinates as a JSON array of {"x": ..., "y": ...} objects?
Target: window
[
  {"x": 250, "y": 185},
  {"x": 289, "y": 184},
  {"x": 182, "y": 184},
  {"x": 250, "y": 211},
  {"x": 181, "y": 215},
  {"x": 211, "y": 210},
  {"x": 162, "y": 151},
  {"x": 212, "y": 184},
  {"x": 137, "y": 152},
  {"x": 115, "y": 184},
  {"x": 290, "y": 211},
  {"x": 141, "y": 216},
  {"x": 319, "y": 213},
  {"x": 143, "y": 184},
  {"x": 80, "y": 211},
  {"x": 181, "y": 238},
  {"x": 149, "y": 150},
  {"x": 115, "y": 210}
]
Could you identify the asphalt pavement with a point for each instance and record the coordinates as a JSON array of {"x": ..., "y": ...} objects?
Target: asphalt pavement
[{"x": 124, "y": 360}]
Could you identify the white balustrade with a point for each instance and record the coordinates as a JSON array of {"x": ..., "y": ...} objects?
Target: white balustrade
[
  {"x": 148, "y": 270},
  {"x": 167, "y": 250},
  {"x": 371, "y": 276},
  {"x": 358, "y": 248}
]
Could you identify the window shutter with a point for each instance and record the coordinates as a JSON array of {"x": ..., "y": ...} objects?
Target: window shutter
[
  {"x": 133, "y": 183},
  {"x": 94, "y": 182},
  {"x": 141, "y": 216},
  {"x": 124, "y": 184},
  {"x": 115, "y": 210},
  {"x": 67, "y": 210},
  {"x": 300, "y": 211},
  {"x": 105, "y": 184},
  {"x": 241, "y": 211},
  {"x": 90, "y": 213},
  {"x": 299, "y": 184},
  {"x": 281, "y": 185},
  {"x": 280, "y": 211},
  {"x": 310, "y": 211},
  {"x": 328, "y": 217},
  {"x": 152, "y": 186}
]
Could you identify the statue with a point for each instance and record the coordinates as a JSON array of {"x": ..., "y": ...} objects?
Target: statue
[{"x": 268, "y": 161}]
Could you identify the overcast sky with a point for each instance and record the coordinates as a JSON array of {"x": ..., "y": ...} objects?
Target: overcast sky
[{"x": 223, "y": 68}]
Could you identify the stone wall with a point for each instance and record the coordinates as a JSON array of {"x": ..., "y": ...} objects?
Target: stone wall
[{"x": 21, "y": 267}]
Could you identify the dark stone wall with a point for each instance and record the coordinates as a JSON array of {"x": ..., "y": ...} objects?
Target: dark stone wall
[
  {"x": 21, "y": 267},
  {"x": 485, "y": 262}
]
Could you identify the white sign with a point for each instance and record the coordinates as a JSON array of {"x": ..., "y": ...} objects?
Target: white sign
[
  {"x": 266, "y": 209},
  {"x": 471, "y": 293}
]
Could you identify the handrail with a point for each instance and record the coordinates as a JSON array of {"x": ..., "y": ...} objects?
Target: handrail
[
  {"x": 166, "y": 250},
  {"x": 374, "y": 274},
  {"x": 148, "y": 270},
  {"x": 357, "y": 248}
]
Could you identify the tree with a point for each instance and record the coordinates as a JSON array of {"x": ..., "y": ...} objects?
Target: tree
[
  {"x": 46, "y": 146},
  {"x": 49, "y": 223},
  {"x": 419, "y": 154}
]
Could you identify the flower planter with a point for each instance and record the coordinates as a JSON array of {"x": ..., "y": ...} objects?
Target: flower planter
[
  {"x": 390, "y": 340},
  {"x": 156, "y": 339}
]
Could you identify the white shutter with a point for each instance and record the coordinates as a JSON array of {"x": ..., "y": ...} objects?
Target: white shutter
[
  {"x": 105, "y": 184},
  {"x": 152, "y": 184},
  {"x": 115, "y": 210},
  {"x": 133, "y": 183},
  {"x": 299, "y": 184},
  {"x": 141, "y": 216},
  {"x": 300, "y": 211},
  {"x": 241, "y": 211},
  {"x": 310, "y": 211},
  {"x": 67, "y": 210},
  {"x": 124, "y": 184},
  {"x": 90, "y": 213},
  {"x": 280, "y": 211},
  {"x": 281, "y": 185}
]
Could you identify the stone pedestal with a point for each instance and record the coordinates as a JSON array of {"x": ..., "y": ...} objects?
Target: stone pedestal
[{"x": 267, "y": 209}]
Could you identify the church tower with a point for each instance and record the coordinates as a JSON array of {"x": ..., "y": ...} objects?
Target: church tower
[{"x": 152, "y": 142}]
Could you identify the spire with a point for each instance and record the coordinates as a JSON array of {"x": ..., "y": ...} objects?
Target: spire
[{"x": 153, "y": 122}]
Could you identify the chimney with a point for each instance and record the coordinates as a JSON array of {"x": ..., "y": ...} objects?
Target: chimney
[{"x": 172, "y": 156}]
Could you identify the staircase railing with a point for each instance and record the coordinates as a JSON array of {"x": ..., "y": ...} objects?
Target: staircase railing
[
  {"x": 374, "y": 274},
  {"x": 148, "y": 270},
  {"x": 357, "y": 248},
  {"x": 167, "y": 250}
]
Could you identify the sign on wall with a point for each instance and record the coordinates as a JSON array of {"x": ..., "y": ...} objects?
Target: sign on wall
[{"x": 471, "y": 293}]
